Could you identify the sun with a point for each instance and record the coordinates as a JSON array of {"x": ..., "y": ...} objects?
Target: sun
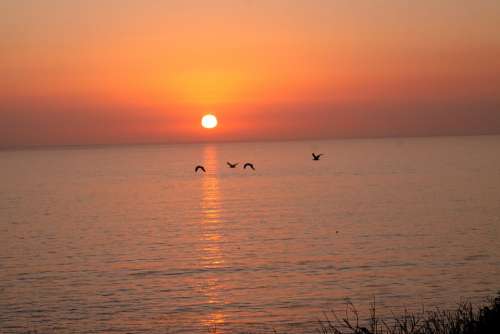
[{"x": 209, "y": 121}]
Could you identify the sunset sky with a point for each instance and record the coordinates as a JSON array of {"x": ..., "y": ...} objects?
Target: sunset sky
[{"x": 122, "y": 71}]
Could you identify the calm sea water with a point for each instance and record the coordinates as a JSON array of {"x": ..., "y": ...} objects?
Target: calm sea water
[{"x": 130, "y": 239}]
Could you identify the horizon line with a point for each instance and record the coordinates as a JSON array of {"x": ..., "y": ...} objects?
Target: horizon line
[{"x": 34, "y": 147}]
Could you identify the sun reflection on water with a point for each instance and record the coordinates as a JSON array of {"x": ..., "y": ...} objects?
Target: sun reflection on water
[{"x": 212, "y": 257}]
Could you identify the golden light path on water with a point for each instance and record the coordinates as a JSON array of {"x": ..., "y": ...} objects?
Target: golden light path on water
[{"x": 212, "y": 255}]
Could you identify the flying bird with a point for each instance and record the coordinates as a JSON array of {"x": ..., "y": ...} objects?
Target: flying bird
[
  {"x": 316, "y": 156},
  {"x": 232, "y": 165},
  {"x": 200, "y": 167},
  {"x": 248, "y": 165}
]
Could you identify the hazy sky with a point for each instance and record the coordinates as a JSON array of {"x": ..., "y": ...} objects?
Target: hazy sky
[{"x": 120, "y": 71}]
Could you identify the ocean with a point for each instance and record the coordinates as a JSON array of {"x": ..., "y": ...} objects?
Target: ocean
[{"x": 129, "y": 239}]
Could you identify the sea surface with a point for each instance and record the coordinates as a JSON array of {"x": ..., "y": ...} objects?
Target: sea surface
[{"x": 129, "y": 239}]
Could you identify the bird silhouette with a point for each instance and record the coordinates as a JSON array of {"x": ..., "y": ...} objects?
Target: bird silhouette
[
  {"x": 200, "y": 167},
  {"x": 232, "y": 165},
  {"x": 316, "y": 156},
  {"x": 248, "y": 165}
]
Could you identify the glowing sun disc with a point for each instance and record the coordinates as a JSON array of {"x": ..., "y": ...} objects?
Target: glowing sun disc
[{"x": 209, "y": 121}]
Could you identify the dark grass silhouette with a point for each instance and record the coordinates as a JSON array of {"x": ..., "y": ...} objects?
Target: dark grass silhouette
[{"x": 465, "y": 319}]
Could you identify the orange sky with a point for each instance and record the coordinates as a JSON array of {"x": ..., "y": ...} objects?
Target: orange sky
[{"x": 127, "y": 71}]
